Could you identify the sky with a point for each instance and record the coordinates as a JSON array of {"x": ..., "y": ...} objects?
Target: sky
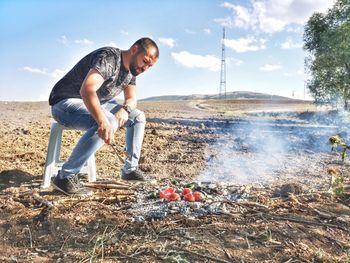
[{"x": 42, "y": 40}]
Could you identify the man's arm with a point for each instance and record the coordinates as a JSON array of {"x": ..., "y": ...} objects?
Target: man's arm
[
  {"x": 130, "y": 96},
  {"x": 91, "y": 84},
  {"x": 130, "y": 101}
]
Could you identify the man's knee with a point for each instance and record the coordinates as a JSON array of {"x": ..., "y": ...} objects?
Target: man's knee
[
  {"x": 141, "y": 117},
  {"x": 138, "y": 116}
]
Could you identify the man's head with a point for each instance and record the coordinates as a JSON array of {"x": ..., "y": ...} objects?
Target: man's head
[{"x": 144, "y": 54}]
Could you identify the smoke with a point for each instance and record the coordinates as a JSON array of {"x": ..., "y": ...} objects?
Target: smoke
[{"x": 267, "y": 146}]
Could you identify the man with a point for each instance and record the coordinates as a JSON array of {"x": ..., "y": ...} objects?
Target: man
[{"x": 85, "y": 99}]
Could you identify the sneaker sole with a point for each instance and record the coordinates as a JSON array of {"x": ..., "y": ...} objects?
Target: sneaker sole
[
  {"x": 59, "y": 189},
  {"x": 68, "y": 194}
]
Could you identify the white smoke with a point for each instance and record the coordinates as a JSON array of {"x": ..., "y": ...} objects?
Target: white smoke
[{"x": 264, "y": 147}]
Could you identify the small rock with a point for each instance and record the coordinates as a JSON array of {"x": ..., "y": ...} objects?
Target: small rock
[
  {"x": 212, "y": 186},
  {"x": 139, "y": 219},
  {"x": 155, "y": 215},
  {"x": 287, "y": 189},
  {"x": 154, "y": 132}
]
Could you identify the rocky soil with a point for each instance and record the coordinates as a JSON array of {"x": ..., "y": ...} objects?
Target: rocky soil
[{"x": 275, "y": 192}]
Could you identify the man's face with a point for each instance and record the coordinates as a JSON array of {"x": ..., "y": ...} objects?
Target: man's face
[{"x": 142, "y": 61}]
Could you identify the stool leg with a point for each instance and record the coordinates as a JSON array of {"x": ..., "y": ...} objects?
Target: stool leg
[
  {"x": 58, "y": 144},
  {"x": 53, "y": 157},
  {"x": 91, "y": 169},
  {"x": 55, "y": 136}
]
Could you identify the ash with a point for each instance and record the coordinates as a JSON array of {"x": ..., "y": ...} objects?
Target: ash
[
  {"x": 264, "y": 148},
  {"x": 216, "y": 196}
]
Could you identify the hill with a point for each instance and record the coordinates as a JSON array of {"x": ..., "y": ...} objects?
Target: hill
[{"x": 229, "y": 95}]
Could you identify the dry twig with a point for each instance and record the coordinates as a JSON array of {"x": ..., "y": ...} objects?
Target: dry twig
[
  {"x": 117, "y": 198},
  {"x": 202, "y": 255},
  {"x": 114, "y": 146},
  {"x": 107, "y": 186},
  {"x": 111, "y": 181},
  {"x": 307, "y": 222}
]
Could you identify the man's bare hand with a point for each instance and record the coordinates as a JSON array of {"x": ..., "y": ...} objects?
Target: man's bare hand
[
  {"x": 105, "y": 132},
  {"x": 122, "y": 117}
]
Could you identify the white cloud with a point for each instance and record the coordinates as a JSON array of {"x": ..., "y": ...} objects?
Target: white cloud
[
  {"x": 112, "y": 44},
  {"x": 124, "y": 32},
  {"x": 34, "y": 70},
  {"x": 188, "y": 31},
  {"x": 300, "y": 72},
  {"x": 85, "y": 42},
  {"x": 272, "y": 15},
  {"x": 289, "y": 43},
  {"x": 249, "y": 43},
  {"x": 295, "y": 29},
  {"x": 170, "y": 42},
  {"x": 243, "y": 17},
  {"x": 234, "y": 61},
  {"x": 197, "y": 61},
  {"x": 270, "y": 67},
  {"x": 225, "y": 22},
  {"x": 207, "y": 31},
  {"x": 64, "y": 40},
  {"x": 56, "y": 74}
]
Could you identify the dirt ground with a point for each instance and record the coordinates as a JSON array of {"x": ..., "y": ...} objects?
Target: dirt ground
[{"x": 289, "y": 213}]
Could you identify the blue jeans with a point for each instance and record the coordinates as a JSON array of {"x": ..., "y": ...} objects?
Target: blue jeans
[{"x": 73, "y": 113}]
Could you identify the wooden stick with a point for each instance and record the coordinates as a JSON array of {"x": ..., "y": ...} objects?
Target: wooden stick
[
  {"x": 96, "y": 199},
  {"x": 41, "y": 200},
  {"x": 204, "y": 256},
  {"x": 248, "y": 203},
  {"x": 111, "y": 182},
  {"x": 117, "y": 152},
  {"x": 32, "y": 198},
  {"x": 297, "y": 220},
  {"x": 245, "y": 203},
  {"x": 30, "y": 236},
  {"x": 107, "y": 186}
]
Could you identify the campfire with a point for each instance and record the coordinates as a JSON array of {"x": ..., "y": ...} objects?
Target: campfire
[{"x": 189, "y": 200}]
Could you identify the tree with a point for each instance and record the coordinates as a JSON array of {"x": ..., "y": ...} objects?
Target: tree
[{"x": 327, "y": 39}]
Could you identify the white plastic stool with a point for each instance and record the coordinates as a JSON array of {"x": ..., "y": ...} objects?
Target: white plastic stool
[{"x": 54, "y": 163}]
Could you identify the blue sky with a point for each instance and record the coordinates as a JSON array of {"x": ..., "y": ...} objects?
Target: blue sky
[{"x": 41, "y": 41}]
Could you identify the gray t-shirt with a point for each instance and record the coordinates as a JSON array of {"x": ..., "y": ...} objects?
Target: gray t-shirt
[{"x": 107, "y": 61}]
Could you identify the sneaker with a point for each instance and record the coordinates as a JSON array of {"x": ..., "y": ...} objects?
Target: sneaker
[
  {"x": 70, "y": 186},
  {"x": 136, "y": 175}
]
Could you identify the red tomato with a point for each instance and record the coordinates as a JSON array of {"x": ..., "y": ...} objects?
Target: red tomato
[
  {"x": 186, "y": 191},
  {"x": 198, "y": 196},
  {"x": 163, "y": 195},
  {"x": 166, "y": 192},
  {"x": 170, "y": 190},
  {"x": 189, "y": 198},
  {"x": 173, "y": 197}
]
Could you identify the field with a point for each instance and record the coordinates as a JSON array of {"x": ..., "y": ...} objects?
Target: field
[{"x": 266, "y": 168}]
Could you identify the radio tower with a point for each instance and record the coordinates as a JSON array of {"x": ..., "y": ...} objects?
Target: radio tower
[{"x": 222, "y": 93}]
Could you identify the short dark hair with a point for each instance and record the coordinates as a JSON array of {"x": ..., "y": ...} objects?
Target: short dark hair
[{"x": 146, "y": 43}]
